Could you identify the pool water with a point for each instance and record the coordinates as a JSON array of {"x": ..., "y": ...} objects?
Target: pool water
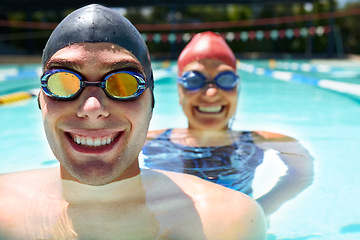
[{"x": 326, "y": 122}]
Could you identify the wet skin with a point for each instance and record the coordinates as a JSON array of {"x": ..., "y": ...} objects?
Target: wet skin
[
  {"x": 94, "y": 118},
  {"x": 98, "y": 191},
  {"x": 209, "y": 111},
  {"x": 209, "y": 108}
]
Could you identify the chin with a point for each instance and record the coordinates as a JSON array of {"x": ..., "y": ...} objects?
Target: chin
[
  {"x": 91, "y": 172},
  {"x": 211, "y": 125}
]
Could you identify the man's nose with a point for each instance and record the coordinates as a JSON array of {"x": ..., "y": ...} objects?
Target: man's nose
[{"x": 94, "y": 104}]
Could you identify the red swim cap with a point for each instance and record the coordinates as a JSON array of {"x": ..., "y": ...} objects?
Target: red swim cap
[{"x": 206, "y": 45}]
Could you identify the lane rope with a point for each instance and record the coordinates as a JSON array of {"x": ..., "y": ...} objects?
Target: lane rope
[{"x": 342, "y": 87}]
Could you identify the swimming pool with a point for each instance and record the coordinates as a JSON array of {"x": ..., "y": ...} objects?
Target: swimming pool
[{"x": 327, "y": 122}]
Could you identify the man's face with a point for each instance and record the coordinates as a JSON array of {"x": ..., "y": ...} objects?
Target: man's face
[
  {"x": 111, "y": 133},
  {"x": 209, "y": 108}
]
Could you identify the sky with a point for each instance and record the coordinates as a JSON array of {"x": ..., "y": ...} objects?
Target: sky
[{"x": 343, "y": 2}]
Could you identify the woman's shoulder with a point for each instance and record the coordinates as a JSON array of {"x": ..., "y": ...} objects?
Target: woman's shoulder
[
  {"x": 153, "y": 134},
  {"x": 265, "y": 135},
  {"x": 173, "y": 132}
]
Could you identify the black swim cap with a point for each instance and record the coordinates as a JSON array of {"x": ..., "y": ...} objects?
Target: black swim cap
[{"x": 96, "y": 23}]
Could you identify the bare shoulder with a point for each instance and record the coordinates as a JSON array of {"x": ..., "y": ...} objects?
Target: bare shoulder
[
  {"x": 268, "y": 136},
  {"x": 175, "y": 132},
  {"x": 27, "y": 177},
  {"x": 19, "y": 184},
  {"x": 154, "y": 134},
  {"x": 18, "y": 190},
  {"x": 225, "y": 213}
]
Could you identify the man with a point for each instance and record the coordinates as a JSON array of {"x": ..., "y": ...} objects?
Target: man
[{"x": 96, "y": 102}]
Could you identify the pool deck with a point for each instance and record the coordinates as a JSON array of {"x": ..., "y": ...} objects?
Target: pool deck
[
  {"x": 350, "y": 58},
  {"x": 19, "y": 59}
]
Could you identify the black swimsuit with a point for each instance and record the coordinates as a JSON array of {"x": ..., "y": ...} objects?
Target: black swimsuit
[{"x": 232, "y": 166}]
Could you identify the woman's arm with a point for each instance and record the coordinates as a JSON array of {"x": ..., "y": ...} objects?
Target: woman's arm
[{"x": 299, "y": 174}]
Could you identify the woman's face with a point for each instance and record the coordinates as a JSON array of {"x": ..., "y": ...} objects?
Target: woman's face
[{"x": 209, "y": 108}]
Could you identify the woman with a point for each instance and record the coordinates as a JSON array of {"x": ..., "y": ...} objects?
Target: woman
[{"x": 208, "y": 87}]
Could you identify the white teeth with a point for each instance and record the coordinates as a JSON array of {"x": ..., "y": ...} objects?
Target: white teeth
[
  {"x": 92, "y": 142},
  {"x": 211, "y": 109},
  {"x": 97, "y": 142},
  {"x": 89, "y": 142}
]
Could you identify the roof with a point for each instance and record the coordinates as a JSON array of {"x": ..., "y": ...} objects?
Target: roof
[{"x": 25, "y": 5}]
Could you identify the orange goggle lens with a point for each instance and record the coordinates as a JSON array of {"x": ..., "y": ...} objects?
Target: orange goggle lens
[
  {"x": 121, "y": 85},
  {"x": 63, "y": 84}
]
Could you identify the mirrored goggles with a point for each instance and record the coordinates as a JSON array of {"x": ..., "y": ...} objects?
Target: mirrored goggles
[
  {"x": 63, "y": 84},
  {"x": 193, "y": 80}
]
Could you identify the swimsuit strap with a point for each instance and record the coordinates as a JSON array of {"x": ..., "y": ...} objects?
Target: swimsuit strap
[
  {"x": 246, "y": 136},
  {"x": 239, "y": 138},
  {"x": 165, "y": 135}
]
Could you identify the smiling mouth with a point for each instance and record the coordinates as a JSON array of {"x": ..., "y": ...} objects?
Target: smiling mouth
[
  {"x": 210, "y": 109},
  {"x": 93, "y": 142}
]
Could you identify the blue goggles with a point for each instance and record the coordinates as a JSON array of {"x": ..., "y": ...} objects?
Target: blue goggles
[
  {"x": 193, "y": 80},
  {"x": 64, "y": 84}
]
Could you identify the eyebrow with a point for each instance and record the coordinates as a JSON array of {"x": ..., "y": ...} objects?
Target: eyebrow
[
  {"x": 61, "y": 63},
  {"x": 134, "y": 66},
  {"x": 77, "y": 65}
]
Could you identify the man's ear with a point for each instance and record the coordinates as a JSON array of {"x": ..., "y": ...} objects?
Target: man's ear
[{"x": 38, "y": 100}]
